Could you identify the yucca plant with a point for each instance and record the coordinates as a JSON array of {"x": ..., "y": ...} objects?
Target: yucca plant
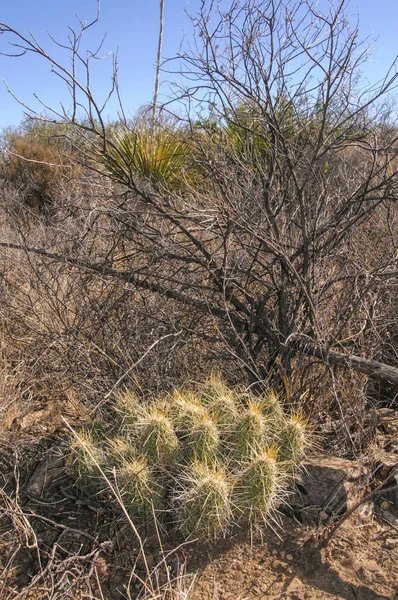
[
  {"x": 203, "y": 504},
  {"x": 159, "y": 154}
]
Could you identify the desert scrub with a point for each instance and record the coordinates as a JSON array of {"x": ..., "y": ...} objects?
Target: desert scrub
[
  {"x": 201, "y": 459},
  {"x": 36, "y": 168}
]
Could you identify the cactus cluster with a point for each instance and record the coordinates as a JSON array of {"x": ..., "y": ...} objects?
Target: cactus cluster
[{"x": 203, "y": 460}]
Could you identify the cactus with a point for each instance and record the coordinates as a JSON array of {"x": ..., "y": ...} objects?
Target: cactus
[
  {"x": 156, "y": 433},
  {"x": 207, "y": 458},
  {"x": 259, "y": 486},
  {"x": 137, "y": 486},
  {"x": 292, "y": 442},
  {"x": 187, "y": 412},
  {"x": 203, "y": 440},
  {"x": 88, "y": 457},
  {"x": 204, "y": 507},
  {"x": 129, "y": 407},
  {"x": 253, "y": 430},
  {"x": 221, "y": 402}
]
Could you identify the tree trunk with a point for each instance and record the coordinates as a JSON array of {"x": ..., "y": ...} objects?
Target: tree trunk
[
  {"x": 371, "y": 368},
  {"x": 158, "y": 61}
]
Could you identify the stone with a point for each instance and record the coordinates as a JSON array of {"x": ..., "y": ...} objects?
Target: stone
[
  {"x": 390, "y": 543},
  {"x": 372, "y": 566},
  {"x": 329, "y": 485},
  {"x": 366, "y": 512},
  {"x": 51, "y": 465},
  {"x": 392, "y": 519}
]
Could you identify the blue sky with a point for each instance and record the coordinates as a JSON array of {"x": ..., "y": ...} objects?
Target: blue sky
[{"x": 132, "y": 26}]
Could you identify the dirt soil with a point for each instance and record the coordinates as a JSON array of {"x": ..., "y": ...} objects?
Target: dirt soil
[
  {"x": 64, "y": 545},
  {"x": 358, "y": 563}
]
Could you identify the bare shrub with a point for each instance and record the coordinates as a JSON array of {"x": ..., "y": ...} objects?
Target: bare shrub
[
  {"x": 36, "y": 169},
  {"x": 260, "y": 255}
]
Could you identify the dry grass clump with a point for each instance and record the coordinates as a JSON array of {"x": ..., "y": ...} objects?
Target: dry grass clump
[{"x": 202, "y": 460}]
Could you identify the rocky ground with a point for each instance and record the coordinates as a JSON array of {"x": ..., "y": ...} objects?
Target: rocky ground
[{"x": 359, "y": 562}]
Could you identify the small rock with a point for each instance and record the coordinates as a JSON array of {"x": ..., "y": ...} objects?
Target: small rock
[
  {"x": 101, "y": 567},
  {"x": 385, "y": 505},
  {"x": 289, "y": 557},
  {"x": 390, "y": 518},
  {"x": 372, "y": 566},
  {"x": 150, "y": 560},
  {"x": 390, "y": 543},
  {"x": 366, "y": 512},
  {"x": 323, "y": 516}
]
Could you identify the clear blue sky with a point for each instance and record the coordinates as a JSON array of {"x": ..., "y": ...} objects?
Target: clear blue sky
[{"x": 132, "y": 26}]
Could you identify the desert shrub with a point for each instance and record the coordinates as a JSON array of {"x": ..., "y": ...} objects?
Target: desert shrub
[
  {"x": 36, "y": 168},
  {"x": 208, "y": 459}
]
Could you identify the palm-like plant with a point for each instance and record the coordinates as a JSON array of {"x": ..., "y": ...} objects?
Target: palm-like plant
[{"x": 159, "y": 156}]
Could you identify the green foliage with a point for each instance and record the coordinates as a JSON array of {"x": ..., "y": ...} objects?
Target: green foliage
[
  {"x": 210, "y": 458},
  {"x": 160, "y": 155}
]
